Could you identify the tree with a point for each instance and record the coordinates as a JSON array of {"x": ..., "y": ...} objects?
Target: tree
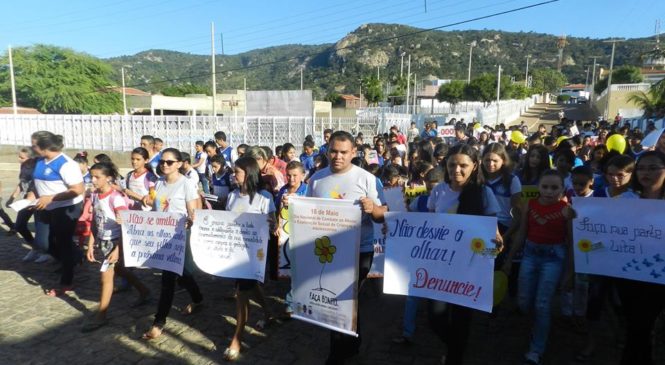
[
  {"x": 622, "y": 75},
  {"x": 372, "y": 90},
  {"x": 520, "y": 91},
  {"x": 652, "y": 102},
  {"x": 452, "y": 93},
  {"x": 59, "y": 80},
  {"x": 398, "y": 93},
  {"x": 481, "y": 88},
  {"x": 334, "y": 98},
  {"x": 185, "y": 89},
  {"x": 546, "y": 80}
]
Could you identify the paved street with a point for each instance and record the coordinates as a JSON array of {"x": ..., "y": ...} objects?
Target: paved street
[{"x": 36, "y": 329}]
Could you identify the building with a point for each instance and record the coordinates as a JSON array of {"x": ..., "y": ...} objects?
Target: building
[{"x": 352, "y": 102}]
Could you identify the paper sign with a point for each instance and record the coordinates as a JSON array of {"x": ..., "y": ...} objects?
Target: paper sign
[
  {"x": 154, "y": 239},
  {"x": 22, "y": 204},
  {"x": 574, "y": 130},
  {"x": 626, "y": 242},
  {"x": 378, "y": 260},
  {"x": 446, "y": 257},
  {"x": 412, "y": 192},
  {"x": 283, "y": 253},
  {"x": 395, "y": 199},
  {"x": 325, "y": 239},
  {"x": 446, "y": 131},
  {"x": 529, "y": 192},
  {"x": 229, "y": 244}
]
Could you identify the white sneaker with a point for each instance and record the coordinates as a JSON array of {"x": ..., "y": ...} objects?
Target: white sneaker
[
  {"x": 44, "y": 258},
  {"x": 31, "y": 256}
]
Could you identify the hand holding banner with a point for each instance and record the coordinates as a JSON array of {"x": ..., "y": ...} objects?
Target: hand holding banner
[{"x": 154, "y": 239}]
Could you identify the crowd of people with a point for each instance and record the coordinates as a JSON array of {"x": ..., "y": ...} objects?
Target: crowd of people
[{"x": 526, "y": 180}]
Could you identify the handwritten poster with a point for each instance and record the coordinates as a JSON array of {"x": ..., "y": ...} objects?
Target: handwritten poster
[
  {"x": 325, "y": 239},
  {"x": 378, "y": 260},
  {"x": 411, "y": 192},
  {"x": 154, "y": 239},
  {"x": 625, "y": 242},
  {"x": 284, "y": 260},
  {"x": 447, "y": 257},
  {"x": 230, "y": 245},
  {"x": 395, "y": 199}
]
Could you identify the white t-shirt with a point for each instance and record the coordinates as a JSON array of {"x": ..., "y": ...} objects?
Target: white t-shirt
[
  {"x": 56, "y": 176},
  {"x": 201, "y": 169},
  {"x": 445, "y": 200},
  {"x": 174, "y": 197},
  {"x": 261, "y": 204},
  {"x": 104, "y": 210},
  {"x": 193, "y": 177},
  {"x": 141, "y": 185},
  {"x": 351, "y": 185},
  {"x": 503, "y": 196}
]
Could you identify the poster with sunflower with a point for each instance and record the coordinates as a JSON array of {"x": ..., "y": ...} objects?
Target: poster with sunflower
[
  {"x": 325, "y": 239},
  {"x": 627, "y": 243},
  {"x": 446, "y": 257}
]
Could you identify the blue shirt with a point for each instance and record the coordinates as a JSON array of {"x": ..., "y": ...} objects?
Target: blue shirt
[
  {"x": 307, "y": 161},
  {"x": 302, "y": 191}
]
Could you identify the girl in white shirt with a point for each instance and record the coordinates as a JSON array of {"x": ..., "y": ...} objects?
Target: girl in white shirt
[
  {"x": 248, "y": 199},
  {"x": 140, "y": 180}
]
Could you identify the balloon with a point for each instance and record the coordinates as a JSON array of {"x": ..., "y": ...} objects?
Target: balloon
[
  {"x": 517, "y": 137},
  {"x": 616, "y": 142},
  {"x": 560, "y": 139},
  {"x": 500, "y": 286}
]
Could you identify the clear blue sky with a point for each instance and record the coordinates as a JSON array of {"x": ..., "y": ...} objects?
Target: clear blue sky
[{"x": 107, "y": 28}]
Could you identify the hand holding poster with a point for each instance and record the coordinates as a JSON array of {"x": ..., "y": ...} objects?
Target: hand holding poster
[
  {"x": 325, "y": 238},
  {"x": 154, "y": 239},
  {"x": 624, "y": 243},
  {"x": 447, "y": 257},
  {"x": 230, "y": 245}
]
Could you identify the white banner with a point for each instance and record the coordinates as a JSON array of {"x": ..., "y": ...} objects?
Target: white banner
[
  {"x": 395, "y": 199},
  {"x": 446, "y": 131},
  {"x": 154, "y": 239},
  {"x": 325, "y": 238},
  {"x": 446, "y": 257},
  {"x": 230, "y": 245},
  {"x": 625, "y": 243}
]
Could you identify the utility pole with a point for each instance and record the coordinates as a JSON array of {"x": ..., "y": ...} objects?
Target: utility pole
[
  {"x": 221, "y": 35},
  {"x": 301, "y": 79},
  {"x": 593, "y": 78},
  {"x": 408, "y": 85},
  {"x": 526, "y": 74},
  {"x": 124, "y": 93},
  {"x": 609, "y": 77},
  {"x": 214, "y": 79},
  {"x": 378, "y": 77},
  {"x": 401, "y": 67},
  {"x": 11, "y": 77},
  {"x": 586, "y": 83},
  {"x": 360, "y": 103},
  {"x": 471, "y": 45},
  {"x": 498, "y": 95},
  {"x": 415, "y": 92}
]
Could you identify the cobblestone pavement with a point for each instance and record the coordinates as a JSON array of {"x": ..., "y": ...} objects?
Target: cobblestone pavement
[{"x": 36, "y": 329}]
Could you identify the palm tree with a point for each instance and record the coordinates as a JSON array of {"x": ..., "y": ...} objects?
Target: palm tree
[{"x": 652, "y": 101}]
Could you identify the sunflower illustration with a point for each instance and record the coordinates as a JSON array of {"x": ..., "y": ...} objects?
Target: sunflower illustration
[
  {"x": 585, "y": 246},
  {"x": 477, "y": 247},
  {"x": 325, "y": 251}
]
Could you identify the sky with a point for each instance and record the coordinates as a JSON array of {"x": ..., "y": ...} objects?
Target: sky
[{"x": 109, "y": 28}]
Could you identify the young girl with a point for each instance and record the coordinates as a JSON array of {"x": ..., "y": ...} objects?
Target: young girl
[
  {"x": 107, "y": 239},
  {"x": 248, "y": 199},
  {"x": 81, "y": 158},
  {"x": 174, "y": 193},
  {"x": 462, "y": 192},
  {"x": 141, "y": 180},
  {"x": 546, "y": 226},
  {"x": 618, "y": 171},
  {"x": 536, "y": 162},
  {"x": 643, "y": 301},
  {"x": 497, "y": 170},
  {"x": 289, "y": 153},
  {"x": 221, "y": 181}
]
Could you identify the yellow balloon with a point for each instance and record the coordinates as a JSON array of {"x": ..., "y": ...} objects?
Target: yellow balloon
[
  {"x": 616, "y": 142},
  {"x": 500, "y": 286}
]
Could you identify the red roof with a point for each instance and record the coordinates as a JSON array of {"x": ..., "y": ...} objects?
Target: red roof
[
  {"x": 574, "y": 86},
  {"x": 131, "y": 91},
  {"x": 20, "y": 110},
  {"x": 349, "y": 97}
]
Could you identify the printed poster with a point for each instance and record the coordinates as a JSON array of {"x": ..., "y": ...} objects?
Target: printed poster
[
  {"x": 229, "y": 244},
  {"x": 154, "y": 239},
  {"x": 625, "y": 242},
  {"x": 325, "y": 240},
  {"x": 284, "y": 259},
  {"x": 446, "y": 257},
  {"x": 378, "y": 260}
]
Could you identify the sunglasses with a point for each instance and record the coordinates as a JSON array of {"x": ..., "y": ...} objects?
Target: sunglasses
[{"x": 167, "y": 162}]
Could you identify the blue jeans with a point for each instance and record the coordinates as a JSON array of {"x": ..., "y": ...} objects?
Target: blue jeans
[
  {"x": 410, "y": 313},
  {"x": 204, "y": 183},
  {"x": 539, "y": 275}
]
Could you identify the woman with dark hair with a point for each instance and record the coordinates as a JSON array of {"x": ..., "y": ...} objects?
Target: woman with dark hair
[
  {"x": 58, "y": 183},
  {"x": 462, "y": 192},
  {"x": 174, "y": 193},
  {"x": 289, "y": 153},
  {"x": 426, "y": 152},
  {"x": 102, "y": 157},
  {"x": 537, "y": 160}
]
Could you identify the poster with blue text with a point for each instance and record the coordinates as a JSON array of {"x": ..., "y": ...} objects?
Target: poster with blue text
[
  {"x": 620, "y": 238},
  {"x": 446, "y": 257},
  {"x": 325, "y": 238}
]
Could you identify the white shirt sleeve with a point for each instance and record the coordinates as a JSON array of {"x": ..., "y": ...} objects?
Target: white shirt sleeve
[
  {"x": 71, "y": 173},
  {"x": 190, "y": 191}
]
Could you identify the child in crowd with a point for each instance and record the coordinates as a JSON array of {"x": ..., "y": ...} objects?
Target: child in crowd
[
  {"x": 201, "y": 164},
  {"x": 536, "y": 162},
  {"x": 307, "y": 157},
  {"x": 81, "y": 158},
  {"x": 618, "y": 171},
  {"x": 564, "y": 161},
  {"x": 140, "y": 180},
  {"x": 289, "y": 153},
  {"x": 221, "y": 181},
  {"x": 107, "y": 203},
  {"x": 189, "y": 171}
]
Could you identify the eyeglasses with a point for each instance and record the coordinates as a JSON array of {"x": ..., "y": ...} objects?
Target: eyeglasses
[
  {"x": 618, "y": 176},
  {"x": 167, "y": 162},
  {"x": 650, "y": 169}
]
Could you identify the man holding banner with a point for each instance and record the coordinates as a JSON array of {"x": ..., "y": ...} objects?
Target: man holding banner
[{"x": 343, "y": 180}]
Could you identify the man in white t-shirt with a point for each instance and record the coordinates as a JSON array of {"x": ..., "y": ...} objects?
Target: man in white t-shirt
[{"x": 343, "y": 180}]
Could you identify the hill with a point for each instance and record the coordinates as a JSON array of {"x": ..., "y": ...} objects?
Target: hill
[{"x": 339, "y": 66}]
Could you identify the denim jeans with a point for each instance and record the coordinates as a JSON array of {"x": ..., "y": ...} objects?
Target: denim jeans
[
  {"x": 21, "y": 226},
  {"x": 204, "y": 183},
  {"x": 539, "y": 275},
  {"x": 410, "y": 313},
  {"x": 41, "y": 231}
]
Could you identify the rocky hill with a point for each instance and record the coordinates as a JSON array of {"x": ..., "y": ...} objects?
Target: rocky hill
[{"x": 339, "y": 66}]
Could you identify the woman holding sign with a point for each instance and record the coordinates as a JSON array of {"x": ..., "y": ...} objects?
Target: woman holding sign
[
  {"x": 462, "y": 192},
  {"x": 643, "y": 301},
  {"x": 248, "y": 199},
  {"x": 174, "y": 193}
]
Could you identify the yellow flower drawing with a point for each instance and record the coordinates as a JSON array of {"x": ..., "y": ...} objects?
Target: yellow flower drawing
[
  {"x": 584, "y": 245},
  {"x": 477, "y": 245},
  {"x": 260, "y": 255},
  {"x": 324, "y": 250}
]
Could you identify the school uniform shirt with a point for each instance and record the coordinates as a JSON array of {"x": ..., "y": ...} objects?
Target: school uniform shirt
[
  {"x": 301, "y": 191},
  {"x": 221, "y": 184},
  {"x": 174, "y": 197},
  {"x": 605, "y": 193},
  {"x": 140, "y": 184},
  {"x": 230, "y": 155},
  {"x": 105, "y": 208},
  {"x": 261, "y": 204},
  {"x": 154, "y": 161},
  {"x": 307, "y": 161},
  {"x": 54, "y": 177},
  {"x": 351, "y": 185},
  {"x": 572, "y": 194},
  {"x": 419, "y": 204},
  {"x": 443, "y": 199},
  {"x": 503, "y": 197},
  {"x": 201, "y": 169},
  {"x": 193, "y": 177}
]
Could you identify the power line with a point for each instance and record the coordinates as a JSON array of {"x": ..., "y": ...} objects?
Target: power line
[{"x": 409, "y": 34}]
